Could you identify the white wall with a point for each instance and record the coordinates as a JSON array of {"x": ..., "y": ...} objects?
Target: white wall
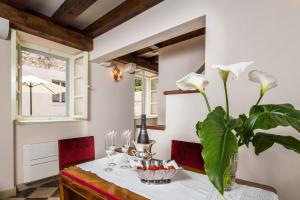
[
  {"x": 110, "y": 108},
  {"x": 176, "y": 61},
  {"x": 111, "y": 104},
  {"x": 24, "y": 134},
  {"x": 6, "y": 125},
  {"x": 45, "y": 132},
  {"x": 264, "y": 31}
]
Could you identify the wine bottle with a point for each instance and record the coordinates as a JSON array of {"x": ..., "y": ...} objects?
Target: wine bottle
[{"x": 143, "y": 137}]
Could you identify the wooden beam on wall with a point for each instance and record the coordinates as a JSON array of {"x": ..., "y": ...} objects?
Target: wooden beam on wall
[
  {"x": 44, "y": 28},
  {"x": 142, "y": 62},
  {"x": 201, "y": 70},
  {"x": 70, "y": 10},
  {"x": 119, "y": 15}
]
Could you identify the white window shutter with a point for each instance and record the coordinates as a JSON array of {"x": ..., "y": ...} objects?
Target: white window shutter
[
  {"x": 79, "y": 86},
  {"x": 16, "y": 72}
]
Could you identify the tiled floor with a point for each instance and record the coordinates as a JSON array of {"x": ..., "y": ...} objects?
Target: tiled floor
[{"x": 44, "y": 191}]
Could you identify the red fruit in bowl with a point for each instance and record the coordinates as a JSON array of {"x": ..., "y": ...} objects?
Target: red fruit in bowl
[
  {"x": 171, "y": 167},
  {"x": 152, "y": 168},
  {"x": 161, "y": 167}
]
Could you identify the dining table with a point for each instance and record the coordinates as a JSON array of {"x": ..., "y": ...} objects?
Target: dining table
[{"x": 90, "y": 181}]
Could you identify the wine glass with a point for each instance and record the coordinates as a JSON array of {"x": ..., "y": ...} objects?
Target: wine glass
[
  {"x": 113, "y": 137},
  {"x": 125, "y": 137},
  {"x": 109, "y": 149}
]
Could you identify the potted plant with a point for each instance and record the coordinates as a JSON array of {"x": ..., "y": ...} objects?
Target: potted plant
[{"x": 222, "y": 134}]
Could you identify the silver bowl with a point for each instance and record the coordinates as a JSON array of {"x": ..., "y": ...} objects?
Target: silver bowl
[{"x": 159, "y": 176}]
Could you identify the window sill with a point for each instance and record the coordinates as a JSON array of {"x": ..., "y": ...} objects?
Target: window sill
[
  {"x": 154, "y": 127},
  {"x": 171, "y": 92},
  {"x": 44, "y": 121}
]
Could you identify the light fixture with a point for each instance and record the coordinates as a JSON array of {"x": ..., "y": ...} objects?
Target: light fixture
[{"x": 117, "y": 73}]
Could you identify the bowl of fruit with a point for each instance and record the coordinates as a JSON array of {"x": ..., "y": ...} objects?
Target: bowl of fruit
[{"x": 156, "y": 171}]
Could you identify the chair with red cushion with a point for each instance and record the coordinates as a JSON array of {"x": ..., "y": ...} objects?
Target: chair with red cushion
[
  {"x": 187, "y": 154},
  {"x": 75, "y": 151}
]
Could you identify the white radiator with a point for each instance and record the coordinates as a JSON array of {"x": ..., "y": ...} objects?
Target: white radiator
[{"x": 40, "y": 161}]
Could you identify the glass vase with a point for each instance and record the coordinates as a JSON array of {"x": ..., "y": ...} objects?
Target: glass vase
[{"x": 229, "y": 176}]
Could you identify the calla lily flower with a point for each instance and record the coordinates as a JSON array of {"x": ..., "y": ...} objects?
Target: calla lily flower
[
  {"x": 265, "y": 80},
  {"x": 193, "y": 81},
  {"x": 236, "y": 69}
]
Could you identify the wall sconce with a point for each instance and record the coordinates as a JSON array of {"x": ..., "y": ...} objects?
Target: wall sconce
[{"x": 117, "y": 73}]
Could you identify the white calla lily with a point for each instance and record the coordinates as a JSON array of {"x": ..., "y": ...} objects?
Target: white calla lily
[
  {"x": 236, "y": 69},
  {"x": 192, "y": 81},
  {"x": 265, "y": 80}
]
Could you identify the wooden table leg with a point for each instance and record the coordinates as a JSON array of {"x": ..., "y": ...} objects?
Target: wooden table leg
[{"x": 64, "y": 192}]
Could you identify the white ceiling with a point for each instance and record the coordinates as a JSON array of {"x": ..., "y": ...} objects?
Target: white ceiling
[
  {"x": 45, "y": 7},
  {"x": 95, "y": 11}
]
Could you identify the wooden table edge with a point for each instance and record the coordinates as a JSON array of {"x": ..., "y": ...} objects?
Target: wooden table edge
[
  {"x": 96, "y": 181},
  {"x": 239, "y": 181},
  {"x": 66, "y": 184}
]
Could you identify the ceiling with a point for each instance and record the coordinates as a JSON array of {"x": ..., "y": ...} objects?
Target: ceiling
[
  {"x": 74, "y": 23},
  {"x": 44, "y": 7},
  {"x": 98, "y": 9},
  {"x": 71, "y": 22},
  {"x": 147, "y": 58}
]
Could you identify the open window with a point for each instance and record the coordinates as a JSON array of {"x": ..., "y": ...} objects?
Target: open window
[
  {"x": 145, "y": 93},
  {"x": 47, "y": 85}
]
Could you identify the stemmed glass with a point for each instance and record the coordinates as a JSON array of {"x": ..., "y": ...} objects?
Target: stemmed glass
[
  {"x": 110, "y": 146},
  {"x": 125, "y": 137}
]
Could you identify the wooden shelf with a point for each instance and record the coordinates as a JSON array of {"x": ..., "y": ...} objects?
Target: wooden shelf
[
  {"x": 154, "y": 127},
  {"x": 171, "y": 92}
]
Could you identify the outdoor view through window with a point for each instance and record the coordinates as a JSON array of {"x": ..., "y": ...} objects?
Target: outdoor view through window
[
  {"x": 145, "y": 95},
  {"x": 44, "y": 84}
]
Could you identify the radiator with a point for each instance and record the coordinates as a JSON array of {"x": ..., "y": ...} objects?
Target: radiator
[{"x": 40, "y": 161}]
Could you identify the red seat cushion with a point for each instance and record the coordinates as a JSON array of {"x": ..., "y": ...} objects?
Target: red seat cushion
[
  {"x": 75, "y": 150},
  {"x": 187, "y": 154}
]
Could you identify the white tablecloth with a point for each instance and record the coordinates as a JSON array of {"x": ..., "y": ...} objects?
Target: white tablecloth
[{"x": 185, "y": 185}]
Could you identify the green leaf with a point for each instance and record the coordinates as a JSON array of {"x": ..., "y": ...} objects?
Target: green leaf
[
  {"x": 263, "y": 141},
  {"x": 198, "y": 128},
  {"x": 219, "y": 145},
  {"x": 242, "y": 118},
  {"x": 267, "y": 117}
]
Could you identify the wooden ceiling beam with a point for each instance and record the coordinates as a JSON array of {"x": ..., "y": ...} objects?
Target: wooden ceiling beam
[
  {"x": 142, "y": 62},
  {"x": 181, "y": 38},
  {"x": 70, "y": 10},
  {"x": 44, "y": 28},
  {"x": 19, "y": 4},
  {"x": 144, "y": 50},
  {"x": 118, "y": 15},
  {"x": 153, "y": 59}
]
